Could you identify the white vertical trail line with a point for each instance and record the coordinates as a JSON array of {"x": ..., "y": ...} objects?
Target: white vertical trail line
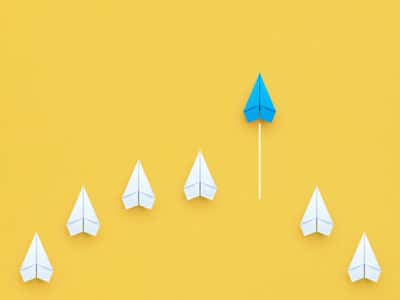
[{"x": 259, "y": 160}]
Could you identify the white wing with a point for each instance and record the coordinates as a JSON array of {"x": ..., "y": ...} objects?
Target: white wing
[
  {"x": 309, "y": 222},
  {"x": 83, "y": 218},
  {"x": 130, "y": 198},
  {"x": 138, "y": 192},
  {"x": 91, "y": 223},
  {"x": 372, "y": 268},
  {"x": 44, "y": 268},
  {"x": 207, "y": 184},
  {"x": 28, "y": 268},
  {"x": 146, "y": 195},
  {"x": 36, "y": 263},
  {"x": 316, "y": 217},
  {"x": 356, "y": 268},
  {"x": 192, "y": 185},
  {"x": 75, "y": 221},
  {"x": 324, "y": 220}
]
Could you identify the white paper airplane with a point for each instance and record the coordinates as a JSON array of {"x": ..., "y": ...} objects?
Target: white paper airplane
[
  {"x": 316, "y": 218},
  {"x": 364, "y": 264},
  {"x": 138, "y": 192},
  {"x": 200, "y": 182},
  {"x": 83, "y": 217},
  {"x": 36, "y": 264}
]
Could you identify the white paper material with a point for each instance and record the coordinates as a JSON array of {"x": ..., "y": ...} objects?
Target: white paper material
[
  {"x": 364, "y": 264},
  {"x": 200, "y": 183},
  {"x": 36, "y": 264},
  {"x": 83, "y": 218},
  {"x": 316, "y": 218},
  {"x": 138, "y": 192}
]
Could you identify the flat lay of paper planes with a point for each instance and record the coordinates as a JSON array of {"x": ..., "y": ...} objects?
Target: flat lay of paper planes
[
  {"x": 316, "y": 218},
  {"x": 36, "y": 264},
  {"x": 138, "y": 192},
  {"x": 259, "y": 107},
  {"x": 83, "y": 218},
  {"x": 364, "y": 264},
  {"x": 200, "y": 183}
]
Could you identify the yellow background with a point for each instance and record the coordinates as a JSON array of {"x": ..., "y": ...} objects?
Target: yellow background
[{"x": 89, "y": 87}]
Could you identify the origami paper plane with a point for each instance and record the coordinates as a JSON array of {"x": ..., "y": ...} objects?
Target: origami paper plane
[
  {"x": 259, "y": 107},
  {"x": 36, "y": 264},
  {"x": 83, "y": 217},
  {"x": 316, "y": 218},
  {"x": 364, "y": 264},
  {"x": 138, "y": 191},
  {"x": 200, "y": 182}
]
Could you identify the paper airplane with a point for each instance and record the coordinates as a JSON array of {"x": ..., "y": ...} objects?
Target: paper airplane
[
  {"x": 200, "y": 182},
  {"x": 83, "y": 217},
  {"x": 259, "y": 107},
  {"x": 316, "y": 218},
  {"x": 364, "y": 264},
  {"x": 36, "y": 264},
  {"x": 138, "y": 191}
]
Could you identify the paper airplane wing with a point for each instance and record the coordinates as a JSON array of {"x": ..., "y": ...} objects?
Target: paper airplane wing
[
  {"x": 207, "y": 184},
  {"x": 356, "y": 268},
  {"x": 130, "y": 197},
  {"x": 372, "y": 268},
  {"x": 259, "y": 106},
  {"x": 192, "y": 185},
  {"x": 267, "y": 109},
  {"x": 28, "y": 268},
  {"x": 146, "y": 195},
  {"x": 324, "y": 220},
  {"x": 44, "y": 268},
  {"x": 75, "y": 221},
  {"x": 91, "y": 223},
  {"x": 252, "y": 108},
  {"x": 309, "y": 222}
]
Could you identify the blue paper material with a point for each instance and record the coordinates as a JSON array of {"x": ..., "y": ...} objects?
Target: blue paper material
[{"x": 259, "y": 105}]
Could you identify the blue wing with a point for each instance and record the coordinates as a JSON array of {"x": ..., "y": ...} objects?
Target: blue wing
[{"x": 259, "y": 106}]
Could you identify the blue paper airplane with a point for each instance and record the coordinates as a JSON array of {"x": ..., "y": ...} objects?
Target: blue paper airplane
[{"x": 259, "y": 105}]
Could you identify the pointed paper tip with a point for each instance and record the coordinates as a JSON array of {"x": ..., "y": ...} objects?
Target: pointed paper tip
[
  {"x": 316, "y": 191},
  {"x": 200, "y": 154}
]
